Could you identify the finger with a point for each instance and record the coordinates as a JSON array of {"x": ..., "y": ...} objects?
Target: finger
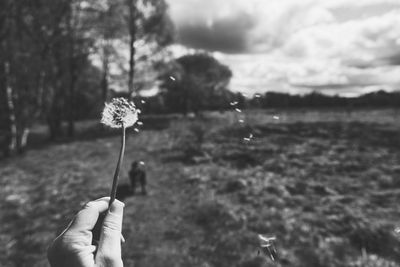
[
  {"x": 110, "y": 239},
  {"x": 86, "y": 219}
]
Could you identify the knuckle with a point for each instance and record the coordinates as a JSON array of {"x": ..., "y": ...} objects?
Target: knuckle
[
  {"x": 112, "y": 222},
  {"x": 70, "y": 241},
  {"x": 111, "y": 226}
]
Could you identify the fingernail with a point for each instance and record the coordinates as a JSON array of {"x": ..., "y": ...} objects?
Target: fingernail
[{"x": 117, "y": 207}]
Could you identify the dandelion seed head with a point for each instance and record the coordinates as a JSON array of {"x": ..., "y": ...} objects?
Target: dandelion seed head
[{"x": 119, "y": 112}]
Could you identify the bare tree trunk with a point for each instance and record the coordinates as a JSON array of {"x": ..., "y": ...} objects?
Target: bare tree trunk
[
  {"x": 71, "y": 107},
  {"x": 104, "y": 79},
  {"x": 41, "y": 83},
  {"x": 40, "y": 94},
  {"x": 72, "y": 76},
  {"x": 23, "y": 139},
  {"x": 132, "y": 38},
  {"x": 131, "y": 64},
  {"x": 71, "y": 95},
  {"x": 54, "y": 115},
  {"x": 13, "y": 134},
  {"x": 54, "y": 121}
]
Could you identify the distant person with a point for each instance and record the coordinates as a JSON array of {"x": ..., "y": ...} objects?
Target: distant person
[
  {"x": 73, "y": 247},
  {"x": 137, "y": 175}
]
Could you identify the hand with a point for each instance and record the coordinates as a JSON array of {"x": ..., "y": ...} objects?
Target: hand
[{"x": 73, "y": 248}]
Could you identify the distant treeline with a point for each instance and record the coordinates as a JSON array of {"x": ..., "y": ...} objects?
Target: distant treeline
[
  {"x": 227, "y": 100},
  {"x": 378, "y": 99}
]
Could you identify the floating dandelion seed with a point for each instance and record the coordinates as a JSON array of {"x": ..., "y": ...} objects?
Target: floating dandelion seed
[
  {"x": 139, "y": 123},
  {"x": 136, "y": 130},
  {"x": 268, "y": 247},
  {"x": 141, "y": 162},
  {"x": 119, "y": 113},
  {"x": 241, "y": 121},
  {"x": 238, "y": 110},
  {"x": 142, "y": 101},
  {"x": 139, "y": 111},
  {"x": 172, "y": 78},
  {"x": 397, "y": 230},
  {"x": 275, "y": 117},
  {"x": 234, "y": 103},
  {"x": 248, "y": 139},
  {"x": 257, "y": 95}
]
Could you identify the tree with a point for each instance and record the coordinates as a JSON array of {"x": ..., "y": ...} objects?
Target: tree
[
  {"x": 196, "y": 82},
  {"x": 42, "y": 47},
  {"x": 20, "y": 72},
  {"x": 147, "y": 20},
  {"x": 125, "y": 25},
  {"x": 46, "y": 48}
]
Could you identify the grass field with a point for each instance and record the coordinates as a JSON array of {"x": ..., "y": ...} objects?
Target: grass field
[{"x": 325, "y": 183}]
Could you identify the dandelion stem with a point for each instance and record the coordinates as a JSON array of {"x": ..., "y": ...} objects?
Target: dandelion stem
[{"x": 116, "y": 173}]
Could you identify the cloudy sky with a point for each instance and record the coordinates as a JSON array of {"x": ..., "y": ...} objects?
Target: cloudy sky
[{"x": 334, "y": 46}]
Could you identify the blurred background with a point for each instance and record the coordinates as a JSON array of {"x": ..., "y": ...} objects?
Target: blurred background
[{"x": 279, "y": 118}]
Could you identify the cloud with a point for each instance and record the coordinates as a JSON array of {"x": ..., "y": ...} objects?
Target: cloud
[
  {"x": 334, "y": 46},
  {"x": 227, "y": 34},
  {"x": 213, "y": 25},
  {"x": 365, "y": 41},
  {"x": 261, "y": 25},
  {"x": 257, "y": 73}
]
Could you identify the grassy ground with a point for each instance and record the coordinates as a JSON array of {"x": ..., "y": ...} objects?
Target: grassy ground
[{"x": 325, "y": 183}]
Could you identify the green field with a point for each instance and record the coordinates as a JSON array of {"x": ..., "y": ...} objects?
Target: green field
[{"x": 325, "y": 183}]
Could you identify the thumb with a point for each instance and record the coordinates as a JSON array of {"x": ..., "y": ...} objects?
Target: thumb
[{"x": 109, "y": 249}]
